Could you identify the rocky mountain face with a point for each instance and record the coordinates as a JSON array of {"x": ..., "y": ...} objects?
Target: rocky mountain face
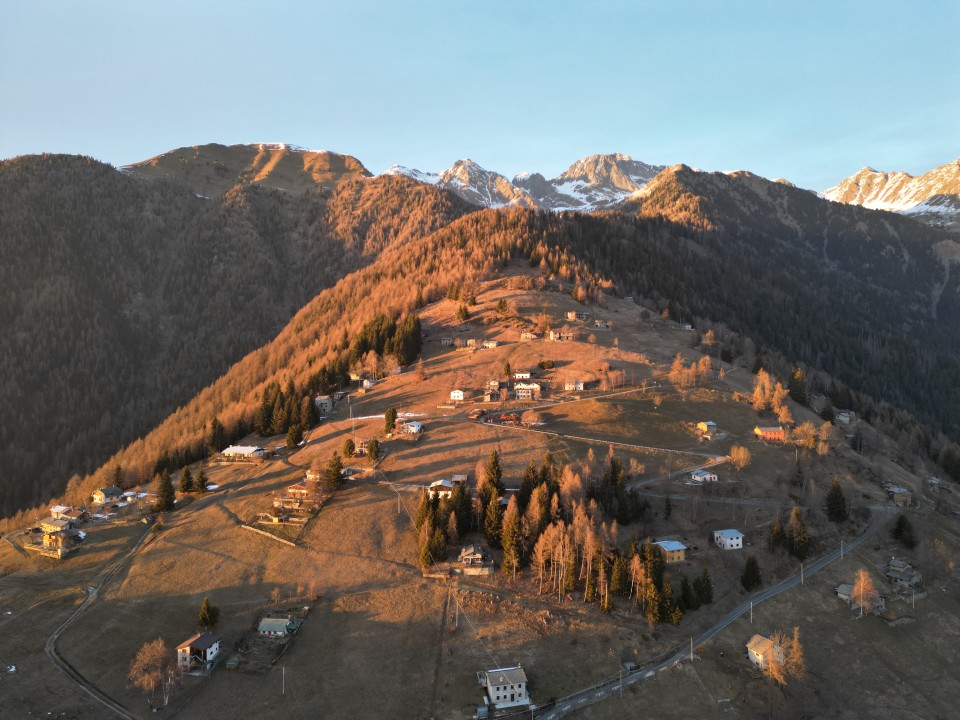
[
  {"x": 933, "y": 197},
  {"x": 211, "y": 170},
  {"x": 596, "y": 182}
]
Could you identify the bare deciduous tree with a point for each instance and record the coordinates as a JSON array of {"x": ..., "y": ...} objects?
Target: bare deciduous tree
[
  {"x": 740, "y": 457},
  {"x": 864, "y": 592},
  {"x": 154, "y": 669}
]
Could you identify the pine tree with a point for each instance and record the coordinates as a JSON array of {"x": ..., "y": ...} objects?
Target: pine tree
[
  {"x": 751, "y": 578},
  {"x": 200, "y": 481},
  {"x": 667, "y": 508},
  {"x": 294, "y": 436},
  {"x": 493, "y": 472},
  {"x": 463, "y": 314},
  {"x": 903, "y": 531},
  {"x": 510, "y": 538},
  {"x": 209, "y": 614},
  {"x": 390, "y": 420},
  {"x": 185, "y": 484},
  {"x": 619, "y": 576},
  {"x": 836, "y": 503},
  {"x": 492, "y": 521},
  {"x": 423, "y": 510},
  {"x": 349, "y": 448},
  {"x": 705, "y": 588},
  {"x": 688, "y": 598},
  {"x": 797, "y": 537},
  {"x": 165, "y": 496},
  {"x": 218, "y": 436},
  {"x": 333, "y": 473},
  {"x": 373, "y": 450}
]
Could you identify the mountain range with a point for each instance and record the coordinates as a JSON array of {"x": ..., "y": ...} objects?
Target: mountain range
[{"x": 131, "y": 297}]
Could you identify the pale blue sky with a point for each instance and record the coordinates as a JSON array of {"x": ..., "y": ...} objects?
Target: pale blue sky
[{"x": 811, "y": 91}]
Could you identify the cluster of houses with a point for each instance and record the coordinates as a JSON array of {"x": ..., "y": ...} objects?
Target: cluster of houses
[
  {"x": 873, "y": 599},
  {"x": 302, "y": 495},
  {"x": 902, "y": 575},
  {"x": 60, "y": 533},
  {"x": 675, "y": 551},
  {"x": 198, "y": 654},
  {"x": 523, "y": 386}
]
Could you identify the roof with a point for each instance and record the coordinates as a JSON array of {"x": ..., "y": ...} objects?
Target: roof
[
  {"x": 242, "y": 450},
  {"x": 442, "y": 484},
  {"x": 768, "y": 429},
  {"x": 845, "y": 589},
  {"x": 708, "y": 422},
  {"x": 471, "y": 549},
  {"x": 273, "y": 625},
  {"x": 506, "y": 676},
  {"x": 671, "y": 545},
  {"x": 111, "y": 490},
  {"x": 728, "y": 534},
  {"x": 701, "y": 473},
  {"x": 200, "y": 641},
  {"x": 55, "y": 522},
  {"x": 323, "y": 397},
  {"x": 60, "y": 509},
  {"x": 760, "y": 645}
]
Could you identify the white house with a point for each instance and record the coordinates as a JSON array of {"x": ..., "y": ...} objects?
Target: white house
[
  {"x": 574, "y": 385},
  {"x": 761, "y": 650},
  {"x": 577, "y": 315},
  {"x": 728, "y": 539},
  {"x": 490, "y": 344},
  {"x": 522, "y": 375},
  {"x": 368, "y": 383},
  {"x": 198, "y": 651},
  {"x": 844, "y": 417},
  {"x": 457, "y": 395},
  {"x": 702, "y": 476},
  {"x": 504, "y": 687},
  {"x": 446, "y": 341},
  {"x": 527, "y": 391},
  {"x": 241, "y": 452},
  {"x": 412, "y": 427},
  {"x": 528, "y": 335}
]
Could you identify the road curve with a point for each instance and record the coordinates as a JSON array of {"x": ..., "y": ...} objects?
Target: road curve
[{"x": 50, "y": 647}]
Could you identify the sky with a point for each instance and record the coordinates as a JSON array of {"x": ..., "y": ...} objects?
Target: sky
[{"x": 810, "y": 91}]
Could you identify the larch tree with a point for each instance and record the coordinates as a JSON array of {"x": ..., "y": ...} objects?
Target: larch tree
[
  {"x": 154, "y": 669},
  {"x": 740, "y": 457},
  {"x": 864, "y": 592}
]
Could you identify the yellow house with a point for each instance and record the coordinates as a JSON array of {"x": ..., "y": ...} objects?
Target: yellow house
[{"x": 673, "y": 550}]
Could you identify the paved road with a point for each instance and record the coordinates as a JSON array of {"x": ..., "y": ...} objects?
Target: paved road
[{"x": 613, "y": 686}]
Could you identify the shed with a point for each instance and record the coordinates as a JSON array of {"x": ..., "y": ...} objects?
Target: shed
[{"x": 275, "y": 627}]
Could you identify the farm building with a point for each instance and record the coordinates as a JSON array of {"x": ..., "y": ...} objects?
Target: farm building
[
  {"x": 457, "y": 395},
  {"x": 55, "y": 525},
  {"x": 581, "y": 315},
  {"x": 728, "y": 539},
  {"x": 243, "y": 452},
  {"x": 105, "y": 495},
  {"x": 761, "y": 650},
  {"x": 275, "y": 627},
  {"x": 201, "y": 651},
  {"x": 876, "y": 601},
  {"x": 673, "y": 550},
  {"x": 707, "y": 429},
  {"x": 574, "y": 385},
  {"x": 323, "y": 404},
  {"x": 770, "y": 434},
  {"x": 561, "y": 335},
  {"x": 902, "y": 574},
  {"x": 522, "y": 375},
  {"x": 504, "y": 687},
  {"x": 844, "y": 417},
  {"x": 446, "y": 342},
  {"x": 528, "y": 335},
  {"x": 703, "y": 476},
  {"x": 601, "y": 324},
  {"x": 491, "y": 344},
  {"x": 490, "y": 396}
]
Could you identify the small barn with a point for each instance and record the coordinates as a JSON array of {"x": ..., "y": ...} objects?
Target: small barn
[{"x": 275, "y": 627}]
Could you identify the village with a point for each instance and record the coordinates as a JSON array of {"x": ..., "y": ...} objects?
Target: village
[{"x": 311, "y": 551}]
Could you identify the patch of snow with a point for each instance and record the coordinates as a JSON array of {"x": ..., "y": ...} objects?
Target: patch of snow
[
  {"x": 122, "y": 504},
  {"x": 11, "y": 668},
  {"x": 213, "y": 487},
  {"x": 414, "y": 174},
  {"x": 81, "y": 534},
  {"x": 202, "y": 197}
]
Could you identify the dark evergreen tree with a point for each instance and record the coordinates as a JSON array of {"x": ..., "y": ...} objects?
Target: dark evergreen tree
[
  {"x": 217, "y": 440},
  {"x": 333, "y": 473},
  {"x": 494, "y": 473},
  {"x": 349, "y": 448},
  {"x": 903, "y": 531},
  {"x": 165, "y": 496},
  {"x": 209, "y": 615},
  {"x": 185, "y": 484},
  {"x": 200, "y": 481},
  {"x": 836, "y": 502},
  {"x": 751, "y": 579},
  {"x": 373, "y": 450},
  {"x": 703, "y": 587},
  {"x": 492, "y": 521},
  {"x": 390, "y": 420}
]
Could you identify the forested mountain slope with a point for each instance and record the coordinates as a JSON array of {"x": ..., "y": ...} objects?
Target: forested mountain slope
[
  {"x": 120, "y": 297},
  {"x": 761, "y": 282}
]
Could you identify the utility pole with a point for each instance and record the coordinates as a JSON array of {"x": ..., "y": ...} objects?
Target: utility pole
[
  {"x": 801, "y": 573},
  {"x": 841, "y": 548},
  {"x": 691, "y": 649},
  {"x": 283, "y": 680},
  {"x": 751, "y": 612}
]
